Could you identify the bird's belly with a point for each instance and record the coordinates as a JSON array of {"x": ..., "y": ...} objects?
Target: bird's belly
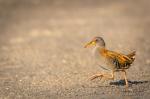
[
  {"x": 100, "y": 60},
  {"x": 120, "y": 66}
]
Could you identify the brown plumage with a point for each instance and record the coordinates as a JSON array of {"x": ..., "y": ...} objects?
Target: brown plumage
[
  {"x": 120, "y": 61},
  {"x": 115, "y": 61}
]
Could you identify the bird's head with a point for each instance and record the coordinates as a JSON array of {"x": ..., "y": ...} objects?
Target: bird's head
[{"x": 96, "y": 41}]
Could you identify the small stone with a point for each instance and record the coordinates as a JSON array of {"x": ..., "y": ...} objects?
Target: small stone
[
  {"x": 4, "y": 48},
  {"x": 64, "y": 61},
  {"x": 148, "y": 61},
  {"x": 17, "y": 40}
]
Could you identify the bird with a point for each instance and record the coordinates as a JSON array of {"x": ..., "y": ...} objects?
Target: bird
[{"x": 115, "y": 61}]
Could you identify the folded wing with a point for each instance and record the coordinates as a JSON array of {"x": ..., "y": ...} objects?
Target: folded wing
[{"x": 120, "y": 61}]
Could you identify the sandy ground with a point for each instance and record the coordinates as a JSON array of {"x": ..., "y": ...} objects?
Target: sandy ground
[{"x": 42, "y": 54}]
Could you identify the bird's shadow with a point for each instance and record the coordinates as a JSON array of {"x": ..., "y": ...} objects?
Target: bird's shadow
[{"x": 122, "y": 82}]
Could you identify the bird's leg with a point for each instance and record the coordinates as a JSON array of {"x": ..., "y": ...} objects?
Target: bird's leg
[
  {"x": 96, "y": 76},
  {"x": 125, "y": 77},
  {"x": 107, "y": 76}
]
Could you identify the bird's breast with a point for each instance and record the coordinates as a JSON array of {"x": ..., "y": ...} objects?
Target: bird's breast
[{"x": 98, "y": 56}]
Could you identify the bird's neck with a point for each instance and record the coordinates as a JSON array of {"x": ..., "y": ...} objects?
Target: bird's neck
[{"x": 99, "y": 50}]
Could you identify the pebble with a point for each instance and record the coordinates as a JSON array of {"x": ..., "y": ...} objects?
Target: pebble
[{"x": 148, "y": 61}]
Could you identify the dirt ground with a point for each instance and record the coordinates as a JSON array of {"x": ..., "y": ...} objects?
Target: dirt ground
[{"x": 42, "y": 54}]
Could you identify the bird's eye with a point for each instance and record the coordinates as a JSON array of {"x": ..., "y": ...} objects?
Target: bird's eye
[{"x": 96, "y": 40}]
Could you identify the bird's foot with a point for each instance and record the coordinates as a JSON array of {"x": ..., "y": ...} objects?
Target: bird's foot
[
  {"x": 128, "y": 89},
  {"x": 96, "y": 76},
  {"x": 106, "y": 76}
]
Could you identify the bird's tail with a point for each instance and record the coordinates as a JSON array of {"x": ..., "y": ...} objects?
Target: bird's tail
[{"x": 132, "y": 55}]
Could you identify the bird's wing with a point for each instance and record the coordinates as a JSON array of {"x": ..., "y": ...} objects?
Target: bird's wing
[{"x": 118, "y": 59}]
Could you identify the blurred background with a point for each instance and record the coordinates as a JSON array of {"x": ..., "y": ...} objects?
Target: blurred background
[{"x": 42, "y": 54}]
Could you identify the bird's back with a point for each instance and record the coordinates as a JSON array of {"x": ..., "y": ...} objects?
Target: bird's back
[{"x": 116, "y": 60}]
